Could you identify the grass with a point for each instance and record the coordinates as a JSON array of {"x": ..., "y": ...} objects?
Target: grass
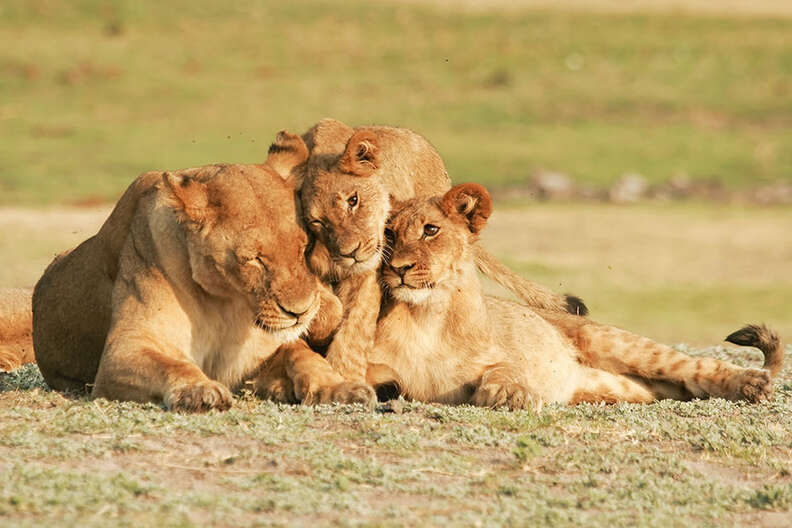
[
  {"x": 93, "y": 93},
  {"x": 92, "y": 463}
]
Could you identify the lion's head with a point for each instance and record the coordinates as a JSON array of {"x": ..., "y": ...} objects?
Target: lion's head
[
  {"x": 343, "y": 205},
  {"x": 429, "y": 240},
  {"x": 243, "y": 239}
]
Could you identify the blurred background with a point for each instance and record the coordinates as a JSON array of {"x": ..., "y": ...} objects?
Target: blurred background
[{"x": 640, "y": 153}]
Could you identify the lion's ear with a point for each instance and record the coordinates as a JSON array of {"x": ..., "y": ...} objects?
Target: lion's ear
[
  {"x": 286, "y": 153},
  {"x": 471, "y": 202},
  {"x": 361, "y": 154},
  {"x": 189, "y": 196}
]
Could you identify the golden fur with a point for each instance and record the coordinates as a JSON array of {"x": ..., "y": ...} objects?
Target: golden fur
[
  {"x": 16, "y": 337},
  {"x": 347, "y": 187},
  {"x": 439, "y": 339},
  {"x": 191, "y": 284}
]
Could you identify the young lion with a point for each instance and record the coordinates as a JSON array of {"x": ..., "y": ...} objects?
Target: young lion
[
  {"x": 347, "y": 187},
  {"x": 191, "y": 284},
  {"x": 439, "y": 339}
]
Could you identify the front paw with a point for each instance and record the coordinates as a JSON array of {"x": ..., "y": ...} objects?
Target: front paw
[
  {"x": 345, "y": 392},
  {"x": 511, "y": 395},
  {"x": 199, "y": 397},
  {"x": 279, "y": 390}
]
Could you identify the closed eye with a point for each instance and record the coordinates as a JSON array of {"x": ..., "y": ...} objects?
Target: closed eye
[{"x": 316, "y": 225}]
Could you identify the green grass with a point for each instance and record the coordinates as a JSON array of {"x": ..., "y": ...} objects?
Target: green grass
[
  {"x": 92, "y": 463},
  {"x": 93, "y": 93}
]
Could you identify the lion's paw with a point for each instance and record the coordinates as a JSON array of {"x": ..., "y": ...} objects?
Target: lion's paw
[
  {"x": 511, "y": 395},
  {"x": 279, "y": 390},
  {"x": 346, "y": 392},
  {"x": 200, "y": 397},
  {"x": 755, "y": 385}
]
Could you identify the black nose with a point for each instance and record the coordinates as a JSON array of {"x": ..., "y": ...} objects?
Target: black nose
[
  {"x": 296, "y": 315},
  {"x": 350, "y": 254},
  {"x": 401, "y": 270}
]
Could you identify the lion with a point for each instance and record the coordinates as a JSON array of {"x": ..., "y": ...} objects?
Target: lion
[
  {"x": 16, "y": 336},
  {"x": 347, "y": 187},
  {"x": 439, "y": 339},
  {"x": 192, "y": 283}
]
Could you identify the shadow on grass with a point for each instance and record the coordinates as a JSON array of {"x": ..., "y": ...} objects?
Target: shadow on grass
[{"x": 25, "y": 378}]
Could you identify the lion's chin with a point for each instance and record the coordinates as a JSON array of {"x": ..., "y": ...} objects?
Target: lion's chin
[
  {"x": 287, "y": 334},
  {"x": 411, "y": 295}
]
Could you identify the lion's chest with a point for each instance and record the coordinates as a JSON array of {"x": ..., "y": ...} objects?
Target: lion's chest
[
  {"x": 431, "y": 366},
  {"x": 228, "y": 347}
]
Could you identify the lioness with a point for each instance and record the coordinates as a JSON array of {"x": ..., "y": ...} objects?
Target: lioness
[
  {"x": 348, "y": 185},
  {"x": 439, "y": 339},
  {"x": 190, "y": 285}
]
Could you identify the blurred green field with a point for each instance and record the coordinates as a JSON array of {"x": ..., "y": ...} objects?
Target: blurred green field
[{"x": 92, "y": 92}]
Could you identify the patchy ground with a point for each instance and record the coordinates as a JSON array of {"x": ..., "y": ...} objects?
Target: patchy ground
[{"x": 89, "y": 463}]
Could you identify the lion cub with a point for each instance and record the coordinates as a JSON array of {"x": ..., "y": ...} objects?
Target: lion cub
[{"x": 439, "y": 339}]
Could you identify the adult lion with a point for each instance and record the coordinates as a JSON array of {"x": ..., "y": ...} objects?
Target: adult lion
[
  {"x": 193, "y": 281},
  {"x": 439, "y": 339}
]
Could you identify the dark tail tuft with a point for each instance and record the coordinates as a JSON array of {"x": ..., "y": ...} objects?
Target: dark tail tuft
[
  {"x": 575, "y": 305},
  {"x": 764, "y": 339}
]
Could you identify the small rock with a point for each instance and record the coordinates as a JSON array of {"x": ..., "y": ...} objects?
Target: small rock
[
  {"x": 630, "y": 188},
  {"x": 553, "y": 185},
  {"x": 394, "y": 406},
  {"x": 774, "y": 194}
]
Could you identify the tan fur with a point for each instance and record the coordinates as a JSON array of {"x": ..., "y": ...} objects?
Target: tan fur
[
  {"x": 16, "y": 336},
  {"x": 347, "y": 187},
  {"x": 163, "y": 304},
  {"x": 439, "y": 339}
]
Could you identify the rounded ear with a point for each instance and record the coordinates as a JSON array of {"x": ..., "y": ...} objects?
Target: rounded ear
[
  {"x": 361, "y": 154},
  {"x": 189, "y": 197},
  {"x": 471, "y": 202},
  {"x": 287, "y": 152}
]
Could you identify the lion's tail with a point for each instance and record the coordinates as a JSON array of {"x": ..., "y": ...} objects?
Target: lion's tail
[
  {"x": 764, "y": 339},
  {"x": 533, "y": 294}
]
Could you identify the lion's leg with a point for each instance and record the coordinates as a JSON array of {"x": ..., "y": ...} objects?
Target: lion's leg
[
  {"x": 348, "y": 353},
  {"x": 138, "y": 369},
  {"x": 597, "y": 386},
  {"x": 272, "y": 382},
  {"x": 146, "y": 354},
  {"x": 614, "y": 350},
  {"x": 315, "y": 380},
  {"x": 499, "y": 387}
]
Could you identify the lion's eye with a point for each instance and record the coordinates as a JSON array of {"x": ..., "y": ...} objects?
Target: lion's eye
[
  {"x": 261, "y": 261},
  {"x": 316, "y": 224},
  {"x": 430, "y": 230},
  {"x": 352, "y": 201}
]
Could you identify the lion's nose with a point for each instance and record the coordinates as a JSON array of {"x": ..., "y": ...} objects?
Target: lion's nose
[
  {"x": 352, "y": 253},
  {"x": 296, "y": 312},
  {"x": 401, "y": 270}
]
